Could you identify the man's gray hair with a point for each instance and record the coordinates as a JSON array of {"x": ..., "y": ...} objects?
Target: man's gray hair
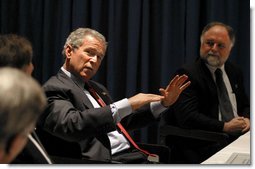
[
  {"x": 22, "y": 100},
  {"x": 76, "y": 38},
  {"x": 229, "y": 29}
]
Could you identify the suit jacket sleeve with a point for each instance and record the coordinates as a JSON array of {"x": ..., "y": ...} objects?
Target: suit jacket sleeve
[
  {"x": 192, "y": 110},
  {"x": 70, "y": 115},
  {"x": 236, "y": 79}
]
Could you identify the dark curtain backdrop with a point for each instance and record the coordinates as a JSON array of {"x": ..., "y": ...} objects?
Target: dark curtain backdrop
[{"x": 148, "y": 39}]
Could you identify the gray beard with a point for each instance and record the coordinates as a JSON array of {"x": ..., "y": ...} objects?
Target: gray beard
[{"x": 212, "y": 60}]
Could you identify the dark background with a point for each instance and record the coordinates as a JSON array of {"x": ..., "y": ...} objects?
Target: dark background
[{"x": 148, "y": 39}]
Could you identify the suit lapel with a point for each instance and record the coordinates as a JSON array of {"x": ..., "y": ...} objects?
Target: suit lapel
[
  {"x": 76, "y": 88},
  {"x": 231, "y": 77},
  {"x": 103, "y": 94},
  {"x": 82, "y": 96},
  {"x": 207, "y": 78},
  {"x": 210, "y": 88}
]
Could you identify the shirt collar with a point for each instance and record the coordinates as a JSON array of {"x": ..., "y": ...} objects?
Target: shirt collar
[
  {"x": 75, "y": 79},
  {"x": 212, "y": 69}
]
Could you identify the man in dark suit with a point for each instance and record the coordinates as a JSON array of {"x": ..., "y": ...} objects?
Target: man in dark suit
[
  {"x": 76, "y": 124},
  {"x": 198, "y": 107}
]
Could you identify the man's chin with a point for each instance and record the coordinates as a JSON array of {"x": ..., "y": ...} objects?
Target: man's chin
[
  {"x": 213, "y": 64},
  {"x": 212, "y": 61},
  {"x": 86, "y": 76}
]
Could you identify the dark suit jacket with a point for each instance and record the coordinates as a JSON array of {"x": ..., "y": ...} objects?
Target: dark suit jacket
[
  {"x": 31, "y": 154},
  {"x": 71, "y": 126},
  {"x": 197, "y": 106}
]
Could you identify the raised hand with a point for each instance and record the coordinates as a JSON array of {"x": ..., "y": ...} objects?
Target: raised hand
[{"x": 174, "y": 89}]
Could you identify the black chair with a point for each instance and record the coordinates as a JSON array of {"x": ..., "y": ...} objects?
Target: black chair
[
  {"x": 68, "y": 155},
  {"x": 189, "y": 146},
  {"x": 68, "y": 160},
  {"x": 161, "y": 150}
]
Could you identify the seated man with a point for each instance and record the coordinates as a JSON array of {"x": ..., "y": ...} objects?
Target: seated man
[
  {"x": 22, "y": 101},
  {"x": 211, "y": 103},
  {"x": 82, "y": 121}
]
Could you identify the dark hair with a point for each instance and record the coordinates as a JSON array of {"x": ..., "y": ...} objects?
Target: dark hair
[
  {"x": 15, "y": 51},
  {"x": 229, "y": 29}
]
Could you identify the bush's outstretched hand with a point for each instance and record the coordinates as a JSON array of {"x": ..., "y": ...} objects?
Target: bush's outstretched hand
[{"x": 174, "y": 89}]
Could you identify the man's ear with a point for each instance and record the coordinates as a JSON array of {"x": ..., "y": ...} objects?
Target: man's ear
[{"x": 68, "y": 51}]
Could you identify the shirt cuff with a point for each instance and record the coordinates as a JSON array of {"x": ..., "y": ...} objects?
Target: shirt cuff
[
  {"x": 157, "y": 108},
  {"x": 120, "y": 109}
]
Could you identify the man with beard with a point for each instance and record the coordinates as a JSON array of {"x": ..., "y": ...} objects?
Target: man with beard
[{"x": 199, "y": 106}]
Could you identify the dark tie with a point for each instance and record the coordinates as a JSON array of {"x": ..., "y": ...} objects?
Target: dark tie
[
  {"x": 224, "y": 102},
  {"x": 122, "y": 129}
]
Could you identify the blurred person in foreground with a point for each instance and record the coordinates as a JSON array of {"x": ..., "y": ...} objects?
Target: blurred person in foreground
[
  {"x": 16, "y": 52},
  {"x": 22, "y": 102}
]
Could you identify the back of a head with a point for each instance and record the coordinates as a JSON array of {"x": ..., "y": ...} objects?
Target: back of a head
[
  {"x": 15, "y": 51},
  {"x": 22, "y": 102}
]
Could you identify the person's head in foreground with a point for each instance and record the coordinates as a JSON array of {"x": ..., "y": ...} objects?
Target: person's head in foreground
[{"x": 22, "y": 101}]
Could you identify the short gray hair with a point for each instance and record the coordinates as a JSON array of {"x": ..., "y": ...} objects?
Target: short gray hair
[
  {"x": 76, "y": 38},
  {"x": 229, "y": 29},
  {"x": 22, "y": 100}
]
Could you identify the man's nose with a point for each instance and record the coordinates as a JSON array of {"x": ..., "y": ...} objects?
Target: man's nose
[
  {"x": 94, "y": 58},
  {"x": 214, "y": 47}
]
